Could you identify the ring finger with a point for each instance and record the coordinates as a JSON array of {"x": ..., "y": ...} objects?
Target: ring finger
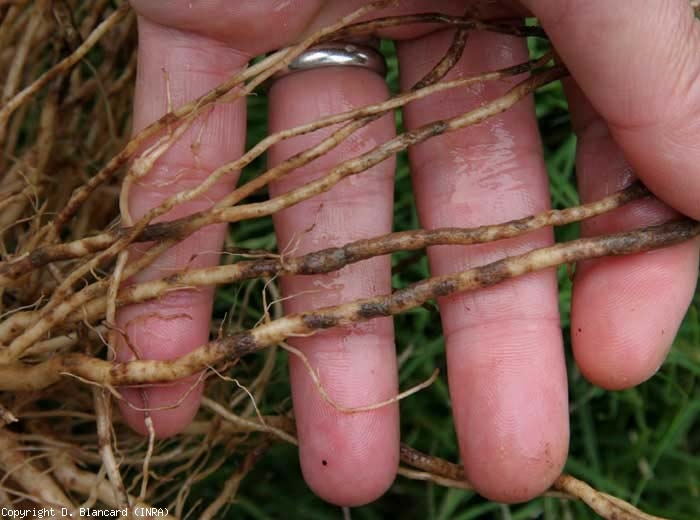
[{"x": 504, "y": 347}]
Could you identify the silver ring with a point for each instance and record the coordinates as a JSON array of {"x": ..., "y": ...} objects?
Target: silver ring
[{"x": 336, "y": 54}]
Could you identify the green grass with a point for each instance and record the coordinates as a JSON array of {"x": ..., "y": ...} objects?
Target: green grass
[{"x": 642, "y": 444}]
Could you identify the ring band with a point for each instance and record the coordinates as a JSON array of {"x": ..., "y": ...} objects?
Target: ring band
[{"x": 336, "y": 54}]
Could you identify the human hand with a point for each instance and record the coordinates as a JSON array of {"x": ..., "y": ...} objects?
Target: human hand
[{"x": 635, "y": 105}]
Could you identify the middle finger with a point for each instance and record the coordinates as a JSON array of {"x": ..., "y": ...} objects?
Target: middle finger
[{"x": 347, "y": 459}]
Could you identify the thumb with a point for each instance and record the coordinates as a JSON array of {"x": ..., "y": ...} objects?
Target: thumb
[{"x": 638, "y": 62}]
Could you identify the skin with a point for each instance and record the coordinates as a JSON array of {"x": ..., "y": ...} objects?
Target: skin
[{"x": 635, "y": 103}]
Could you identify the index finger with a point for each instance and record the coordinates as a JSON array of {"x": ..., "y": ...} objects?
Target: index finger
[{"x": 176, "y": 67}]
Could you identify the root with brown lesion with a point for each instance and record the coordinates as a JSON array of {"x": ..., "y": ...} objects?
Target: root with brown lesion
[
  {"x": 58, "y": 308},
  {"x": 140, "y": 372},
  {"x": 13, "y": 269},
  {"x": 421, "y": 466},
  {"x": 332, "y": 259},
  {"x": 60, "y": 288}
]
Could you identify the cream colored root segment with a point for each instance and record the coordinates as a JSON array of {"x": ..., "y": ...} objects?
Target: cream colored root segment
[{"x": 603, "y": 504}]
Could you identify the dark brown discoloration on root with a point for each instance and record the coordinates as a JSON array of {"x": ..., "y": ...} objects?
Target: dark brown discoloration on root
[
  {"x": 372, "y": 26},
  {"x": 445, "y": 287},
  {"x": 370, "y": 310},
  {"x": 177, "y": 229},
  {"x": 430, "y": 463},
  {"x": 492, "y": 273},
  {"x": 38, "y": 257},
  {"x": 258, "y": 268},
  {"x": 331, "y": 259},
  {"x": 448, "y": 61},
  {"x": 324, "y": 261},
  {"x": 319, "y": 320},
  {"x": 238, "y": 345}
]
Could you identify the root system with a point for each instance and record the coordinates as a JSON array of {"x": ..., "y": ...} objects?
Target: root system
[{"x": 63, "y": 260}]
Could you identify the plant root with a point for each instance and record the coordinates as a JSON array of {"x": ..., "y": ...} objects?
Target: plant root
[{"x": 65, "y": 271}]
